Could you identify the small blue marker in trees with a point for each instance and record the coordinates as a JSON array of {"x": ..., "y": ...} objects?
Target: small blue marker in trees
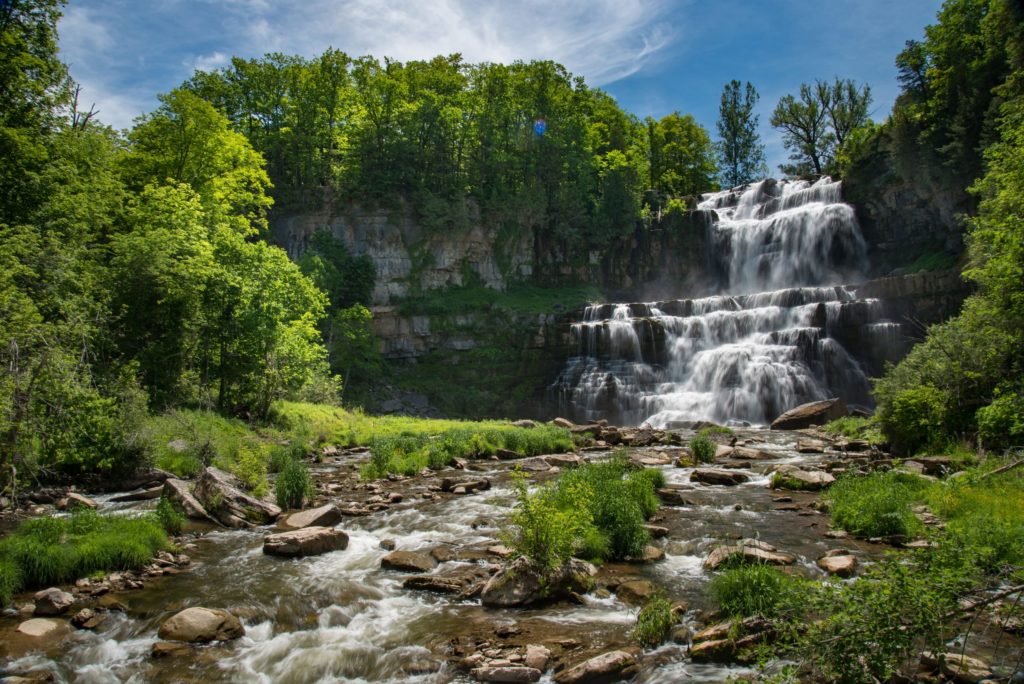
[{"x": 539, "y": 126}]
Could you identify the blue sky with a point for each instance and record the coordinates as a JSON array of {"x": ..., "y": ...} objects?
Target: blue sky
[{"x": 654, "y": 56}]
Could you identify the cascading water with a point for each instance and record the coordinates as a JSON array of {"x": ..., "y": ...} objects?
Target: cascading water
[{"x": 767, "y": 343}]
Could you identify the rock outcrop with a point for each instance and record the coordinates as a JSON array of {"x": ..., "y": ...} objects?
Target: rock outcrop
[
  {"x": 811, "y": 413},
  {"x": 519, "y": 583},
  {"x": 223, "y": 497}
]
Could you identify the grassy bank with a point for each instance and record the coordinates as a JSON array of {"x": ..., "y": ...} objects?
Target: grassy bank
[
  {"x": 184, "y": 441},
  {"x": 54, "y": 550}
]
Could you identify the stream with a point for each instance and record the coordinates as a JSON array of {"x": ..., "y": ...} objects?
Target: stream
[{"x": 339, "y": 617}]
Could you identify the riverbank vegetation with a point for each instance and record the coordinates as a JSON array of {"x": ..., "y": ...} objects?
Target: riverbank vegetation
[
  {"x": 596, "y": 511},
  {"x": 47, "y": 551}
]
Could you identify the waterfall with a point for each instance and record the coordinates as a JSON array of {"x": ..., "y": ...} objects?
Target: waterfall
[{"x": 771, "y": 338}]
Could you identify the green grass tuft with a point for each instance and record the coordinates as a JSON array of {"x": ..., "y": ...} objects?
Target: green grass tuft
[
  {"x": 293, "y": 485},
  {"x": 876, "y": 505},
  {"x": 703, "y": 449},
  {"x": 747, "y": 590},
  {"x": 654, "y": 622}
]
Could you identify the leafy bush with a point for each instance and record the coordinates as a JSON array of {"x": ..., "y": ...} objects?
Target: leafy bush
[
  {"x": 916, "y": 418},
  {"x": 1001, "y": 423},
  {"x": 855, "y": 427},
  {"x": 250, "y": 465},
  {"x": 747, "y": 590},
  {"x": 171, "y": 519},
  {"x": 545, "y": 530},
  {"x": 49, "y": 551},
  {"x": 715, "y": 430},
  {"x": 654, "y": 622},
  {"x": 293, "y": 485},
  {"x": 596, "y": 511},
  {"x": 703, "y": 449},
  {"x": 876, "y": 505}
]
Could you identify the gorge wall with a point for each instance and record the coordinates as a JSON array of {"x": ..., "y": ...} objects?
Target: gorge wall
[{"x": 495, "y": 359}]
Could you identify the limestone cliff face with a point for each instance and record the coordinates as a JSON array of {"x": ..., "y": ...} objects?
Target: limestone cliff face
[{"x": 406, "y": 256}]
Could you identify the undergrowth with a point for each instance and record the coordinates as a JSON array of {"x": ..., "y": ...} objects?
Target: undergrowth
[
  {"x": 745, "y": 590},
  {"x": 876, "y": 505},
  {"x": 654, "y": 622},
  {"x": 54, "y": 550}
]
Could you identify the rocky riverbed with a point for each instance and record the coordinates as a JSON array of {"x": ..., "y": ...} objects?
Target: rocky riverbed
[{"x": 388, "y": 585}]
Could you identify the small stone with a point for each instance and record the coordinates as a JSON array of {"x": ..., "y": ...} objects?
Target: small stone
[
  {"x": 387, "y": 544},
  {"x": 87, "y": 618},
  {"x": 537, "y": 657},
  {"x": 839, "y": 565},
  {"x": 167, "y": 649}
]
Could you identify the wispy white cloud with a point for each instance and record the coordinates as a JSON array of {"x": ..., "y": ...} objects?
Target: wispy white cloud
[{"x": 209, "y": 62}]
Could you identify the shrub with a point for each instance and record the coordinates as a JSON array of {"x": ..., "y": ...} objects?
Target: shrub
[
  {"x": 855, "y": 427},
  {"x": 703, "y": 449},
  {"x": 542, "y": 530},
  {"x": 715, "y": 430},
  {"x": 54, "y": 550},
  {"x": 654, "y": 622},
  {"x": 250, "y": 466},
  {"x": 747, "y": 590},
  {"x": 876, "y": 505},
  {"x": 916, "y": 418},
  {"x": 1001, "y": 423},
  {"x": 293, "y": 485},
  {"x": 170, "y": 518}
]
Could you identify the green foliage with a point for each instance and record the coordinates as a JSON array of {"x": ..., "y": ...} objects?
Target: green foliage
[
  {"x": 596, "y": 511},
  {"x": 715, "y": 430},
  {"x": 10, "y": 580},
  {"x": 409, "y": 451},
  {"x": 171, "y": 519},
  {"x": 1001, "y": 423},
  {"x": 703, "y": 449},
  {"x": 855, "y": 427},
  {"x": 866, "y": 629},
  {"x": 935, "y": 260},
  {"x": 683, "y": 160},
  {"x": 293, "y": 485},
  {"x": 748, "y": 590},
  {"x": 876, "y": 505},
  {"x": 984, "y": 515},
  {"x": 547, "y": 524},
  {"x": 250, "y": 466},
  {"x": 740, "y": 150},
  {"x": 654, "y": 622},
  {"x": 49, "y": 551},
  {"x": 818, "y": 124}
]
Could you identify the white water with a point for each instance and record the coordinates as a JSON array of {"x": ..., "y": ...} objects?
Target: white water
[{"x": 763, "y": 345}]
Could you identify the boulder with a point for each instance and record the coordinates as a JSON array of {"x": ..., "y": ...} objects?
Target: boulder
[
  {"x": 465, "y": 581},
  {"x": 841, "y": 565},
  {"x": 87, "y": 618},
  {"x": 810, "y": 446},
  {"x": 223, "y": 496},
  {"x": 671, "y": 496},
  {"x": 957, "y": 667},
  {"x": 563, "y": 423},
  {"x": 519, "y": 583},
  {"x": 52, "y": 601},
  {"x": 748, "y": 454},
  {"x": 199, "y": 625},
  {"x": 792, "y": 477},
  {"x": 563, "y": 460},
  {"x": 723, "y": 451},
  {"x": 308, "y": 541},
  {"x": 813, "y": 413},
  {"x": 510, "y": 673},
  {"x": 537, "y": 657},
  {"x": 40, "y": 627},
  {"x": 608, "y": 667},
  {"x": 724, "y": 641},
  {"x": 747, "y": 551},
  {"x": 635, "y": 592},
  {"x": 408, "y": 561},
  {"x": 179, "y": 494},
  {"x": 718, "y": 476},
  {"x": 449, "y": 484},
  {"x": 656, "y": 531},
  {"x": 525, "y": 423},
  {"x": 324, "y": 516}
]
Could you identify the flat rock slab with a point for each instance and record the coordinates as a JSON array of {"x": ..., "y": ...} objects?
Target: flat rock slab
[
  {"x": 199, "y": 625},
  {"x": 408, "y": 561},
  {"x": 718, "y": 476},
  {"x": 308, "y": 541},
  {"x": 139, "y": 495},
  {"x": 563, "y": 460},
  {"x": 324, "y": 516},
  {"x": 635, "y": 592},
  {"x": 506, "y": 674},
  {"x": 843, "y": 565},
  {"x": 747, "y": 551},
  {"x": 40, "y": 627},
  {"x": 960, "y": 668},
  {"x": 792, "y": 477},
  {"x": 608, "y": 667}
]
